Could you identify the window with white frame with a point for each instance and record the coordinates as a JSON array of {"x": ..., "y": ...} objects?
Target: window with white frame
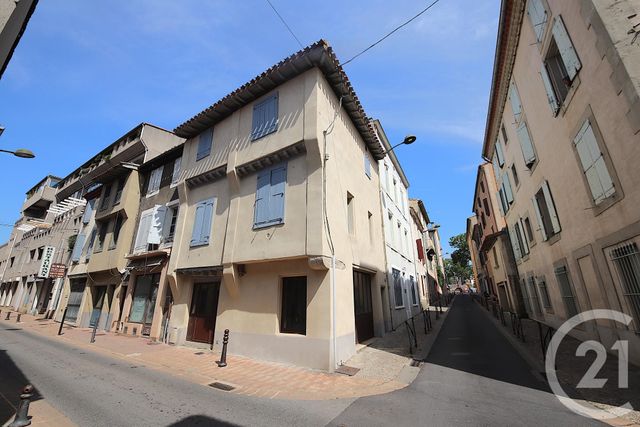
[
  {"x": 397, "y": 288},
  {"x": 546, "y": 212},
  {"x": 560, "y": 67},
  {"x": 154, "y": 181},
  {"x": 593, "y": 164}
]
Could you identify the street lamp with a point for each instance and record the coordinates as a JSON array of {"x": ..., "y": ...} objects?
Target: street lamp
[
  {"x": 21, "y": 152},
  {"x": 408, "y": 140}
]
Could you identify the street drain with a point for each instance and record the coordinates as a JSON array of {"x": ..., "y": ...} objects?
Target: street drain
[{"x": 221, "y": 386}]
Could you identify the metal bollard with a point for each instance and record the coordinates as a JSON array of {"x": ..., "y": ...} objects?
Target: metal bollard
[
  {"x": 22, "y": 414},
  {"x": 223, "y": 357},
  {"x": 93, "y": 331},
  {"x": 8, "y": 315},
  {"x": 18, "y": 318},
  {"x": 64, "y": 316}
]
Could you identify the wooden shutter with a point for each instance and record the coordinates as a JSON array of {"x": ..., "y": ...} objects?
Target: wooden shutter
[
  {"x": 551, "y": 95},
  {"x": 525, "y": 143},
  {"x": 207, "y": 219},
  {"x": 175, "y": 176},
  {"x": 525, "y": 239},
  {"x": 500, "y": 204},
  {"x": 593, "y": 164},
  {"x": 420, "y": 249},
  {"x": 567, "y": 51},
  {"x": 265, "y": 117},
  {"x": 551, "y": 207},
  {"x": 499, "y": 153},
  {"x": 276, "y": 199},
  {"x": 198, "y": 220},
  {"x": 154, "y": 180},
  {"x": 367, "y": 166},
  {"x": 143, "y": 231},
  {"x": 508, "y": 191},
  {"x": 77, "y": 248},
  {"x": 156, "y": 224},
  {"x": 261, "y": 210},
  {"x": 514, "y": 243},
  {"x": 271, "y": 115},
  {"x": 88, "y": 210},
  {"x": 538, "y": 16},
  {"x": 539, "y": 218},
  {"x": 205, "y": 140},
  {"x": 516, "y": 105}
]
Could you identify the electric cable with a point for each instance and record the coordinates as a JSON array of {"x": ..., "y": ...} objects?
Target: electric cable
[{"x": 285, "y": 24}]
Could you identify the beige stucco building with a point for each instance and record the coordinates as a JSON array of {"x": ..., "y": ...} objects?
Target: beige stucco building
[{"x": 563, "y": 133}]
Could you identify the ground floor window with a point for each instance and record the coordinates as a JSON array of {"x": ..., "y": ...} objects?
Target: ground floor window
[
  {"x": 627, "y": 261},
  {"x": 75, "y": 299},
  {"x": 562, "y": 275},
  {"x": 144, "y": 298},
  {"x": 397, "y": 288},
  {"x": 293, "y": 318}
]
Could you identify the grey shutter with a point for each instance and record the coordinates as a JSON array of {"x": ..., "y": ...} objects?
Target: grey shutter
[
  {"x": 88, "y": 210},
  {"x": 155, "y": 224},
  {"x": 207, "y": 218},
  {"x": 205, "y": 140},
  {"x": 521, "y": 239},
  {"x": 551, "y": 95},
  {"x": 555, "y": 222},
  {"x": 514, "y": 243},
  {"x": 271, "y": 113},
  {"x": 567, "y": 51},
  {"x": 367, "y": 166},
  {"x": 525, "y": 143},
  {"x": 77, "y": 248},
  {"x": 261, "y": 210},
  {"x": 539, "y": 218},
  {"x": 175, "y": 176},
  {"x": 593, "y": 164},
  {"x": 508, "y": 192},
  {"x": 143, "y": 231},
  {"x": 265, "y": 117},
  {"x": 525, "y": 239},
  {"x": 516, "y": 105},
  {"x": 538, "y": 16},
  {"x": 499, "y": 153},
  {"x": 499, "y": 197},
  {"x": 196, "y": 233},
  {"x": 276, "y": 199}
]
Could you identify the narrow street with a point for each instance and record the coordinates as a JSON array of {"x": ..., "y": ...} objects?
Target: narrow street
[{"x": 473, "y": 376}]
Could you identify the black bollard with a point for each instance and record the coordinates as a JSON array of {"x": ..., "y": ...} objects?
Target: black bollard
[
  {"x": 22, "y": 414},
  {"x": 64, "y": 316},
  {"x": 18, "y": 318},
  {"x": 223, "y": 357},
  {"x": 93, "y": 331},
  {"x": 8, "y": 315}
]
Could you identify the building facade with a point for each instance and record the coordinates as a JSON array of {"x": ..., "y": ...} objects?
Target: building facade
[{"x": 563, "y": 131}]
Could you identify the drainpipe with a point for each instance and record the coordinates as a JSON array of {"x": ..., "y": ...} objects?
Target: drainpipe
[{"x": 333, "y": 316}]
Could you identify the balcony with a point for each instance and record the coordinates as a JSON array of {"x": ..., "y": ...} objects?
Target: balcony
[{"x": 39, "y": 200}]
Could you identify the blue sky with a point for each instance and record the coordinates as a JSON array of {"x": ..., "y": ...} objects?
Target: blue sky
[{"x": 86, "y": 72}]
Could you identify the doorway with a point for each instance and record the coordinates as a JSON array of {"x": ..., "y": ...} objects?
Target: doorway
[
  {"x": 98, "y": 301},
  {"x": 144, "y": 301},
  {"x": 363, "y": 307},
  {"x": 202, "y": 315}
]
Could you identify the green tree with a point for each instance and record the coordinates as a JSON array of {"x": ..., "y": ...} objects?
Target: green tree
[{"x": 461, "y": 254}]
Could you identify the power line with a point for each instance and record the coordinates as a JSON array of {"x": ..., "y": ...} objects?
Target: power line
[
  {"x": 285, "y": 24},
  {"x": 390, "y": 33}
]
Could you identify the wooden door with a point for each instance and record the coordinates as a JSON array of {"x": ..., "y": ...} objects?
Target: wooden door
[
  {"x": 363, "y": 308},
  {"x": 202, "y": 315}
]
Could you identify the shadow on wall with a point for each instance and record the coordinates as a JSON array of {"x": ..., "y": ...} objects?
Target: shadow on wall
[
  {"x": 12, "y": 382},
  {"x": 200, "y": 420}
]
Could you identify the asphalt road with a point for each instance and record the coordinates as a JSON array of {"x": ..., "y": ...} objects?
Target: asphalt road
[
  {"x": 94, "y": 390},
  {"x": 472, "y": 377}
]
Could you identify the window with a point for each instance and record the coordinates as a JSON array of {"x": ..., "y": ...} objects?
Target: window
[
  {"x": 627, "y": 261},
  {"x": 77, "y": 247},
  {"x": 499, "y": 153},
  {"x": 175, "y": 176},
  {"x": 484, "y": 221},
  {"x": 525, "y": 296},
  {"x": 528, "y": 229},
  {"x": 514, "y": 172},
  {"x": 560, "y": 66},
  {"x": 504, "y": 134},
  {"x": 485, "y": 203},
  {"x": 154, "y": 181},
  {"x": 528, "y": 151},
  {"x": 40, "y": 252},
  {"x": 350, "y": 225},
  {"x": 265, "y": 117},
  {"x": 119, "y": 188},
  {"x": 521, "y": 239},
  {"x": 293, "y": 317},
  {"x": 104, "y": 204},
  {"x": 519, "y": 246},
  {"x": 170, "y": 223},
  {"x": 150, "y": 228},
  {"x": 367, "y": 166},
  {"x": 495, "y": 257},
  {"x": 269, "y": 204},
  {"x": 533, "y": 294},
  {"x": 538, "y": 16},
  {"x": 414, "y": 297},
  {"x": 386, "y": 170},
  {"x": 546, "y": 212},
  {"x": 544, "y": 292},
  {"x": 202, "y": 223},
  {"x": 205, "y": 141},
  {"x": 92, "y": 239},
  {"x": 11, "y": 261},
  {"x": 516, "y": 105},
  {"x": 32, "y": 255},
  {"x": 399, "y": 242},
  {"x": 593, "y": 165},
  {"x": 397, "y": 288},
  {"x": 117, "y": 225},
  {"x": 102, "y": 233},
  {"x": 568, "y": 297},
  {"x": 481, "y": 187},
  {"x": 88, "y": 210}
]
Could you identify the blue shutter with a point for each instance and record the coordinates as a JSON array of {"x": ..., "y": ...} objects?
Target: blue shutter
[
  {"x": 88, "y": 210},
  {"x": 276, "y": 202},
  {"x": 197, "y": 224},
  {"x": 205, "y": 232},
  {"x": 205, "y": 141},
  {"x": 265, "y": 117},
  {"x": 271, "y": 115},
  {"x": 367, "y": 166},
  {"x": 77, "y": 248},
  {"x": 261, "y": 213}
]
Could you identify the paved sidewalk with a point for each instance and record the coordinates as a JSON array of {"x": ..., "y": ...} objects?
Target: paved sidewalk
[
  {"x": 570, "y": 370},
  {"x": 383, "y": 363}
]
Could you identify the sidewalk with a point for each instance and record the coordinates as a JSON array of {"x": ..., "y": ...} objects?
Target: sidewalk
[
  {"x": 570, "y": 370},
  {"x": 384, "y": 363}
]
